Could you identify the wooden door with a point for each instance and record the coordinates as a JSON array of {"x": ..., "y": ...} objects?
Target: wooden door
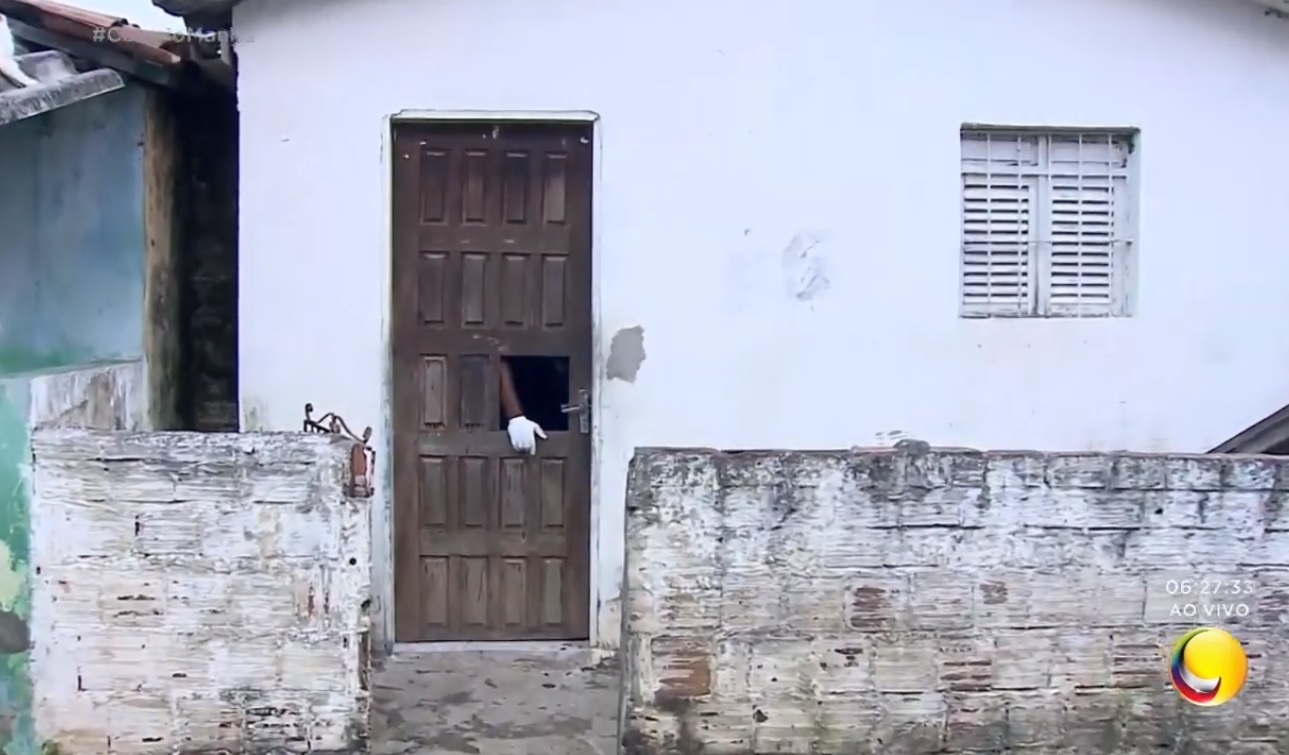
[{"x": 492, "y": 257}]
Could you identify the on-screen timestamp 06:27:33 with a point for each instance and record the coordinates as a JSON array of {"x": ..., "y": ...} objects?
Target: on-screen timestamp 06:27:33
[{"x": 1209, "y": 598}]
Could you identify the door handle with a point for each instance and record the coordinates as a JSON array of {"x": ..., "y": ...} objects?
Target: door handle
[{"x": 582, "y": 408}]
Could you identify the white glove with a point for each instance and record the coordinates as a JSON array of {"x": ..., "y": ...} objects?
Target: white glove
[{"x": 524, "y": 434}]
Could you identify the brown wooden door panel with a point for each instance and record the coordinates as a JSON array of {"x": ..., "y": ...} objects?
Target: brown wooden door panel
[
  {"x": 491, "y": 259},
  {"x": 492, "y": 444},
  {"x": 513, "y": 342}
]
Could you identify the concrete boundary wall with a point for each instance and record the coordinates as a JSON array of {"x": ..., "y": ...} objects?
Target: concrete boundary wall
[
  {"x": 198, "y": 593},
  {"x": 948, "y": 601}
]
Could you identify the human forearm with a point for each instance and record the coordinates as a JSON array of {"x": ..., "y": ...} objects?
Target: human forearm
[{"x": 509, "y": 398}]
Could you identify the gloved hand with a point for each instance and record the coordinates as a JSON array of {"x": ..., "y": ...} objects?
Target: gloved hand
[{"x": 524, "y": 434}]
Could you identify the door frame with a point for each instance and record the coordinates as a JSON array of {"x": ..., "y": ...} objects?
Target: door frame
[{"x": 382, "y": 525}]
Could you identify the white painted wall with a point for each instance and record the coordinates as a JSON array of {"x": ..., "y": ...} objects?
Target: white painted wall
[{"x": 727, "y": 131}]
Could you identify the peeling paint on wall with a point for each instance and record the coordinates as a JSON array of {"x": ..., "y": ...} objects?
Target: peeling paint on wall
[
  {"x": 626, "y": 354},
  {"x": 16, "y": 730},
  {"x": 108, "y": 396},
  {"x": 805, "y": 276},
  {"x": 759, "y": 268},
  {"x": 254, "y": 415}
]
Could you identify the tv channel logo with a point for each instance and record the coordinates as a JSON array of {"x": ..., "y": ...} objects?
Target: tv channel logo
[{"x": 1208, "y": 667}]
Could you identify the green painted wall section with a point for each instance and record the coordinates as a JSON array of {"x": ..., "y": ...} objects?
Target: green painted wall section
[
  {"x": 15, "y": 361},
  {"x": 72, "y": 282},
  {"x": 17, "y": 730}
]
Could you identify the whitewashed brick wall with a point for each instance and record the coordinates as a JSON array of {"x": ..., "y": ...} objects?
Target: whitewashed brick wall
[
  {"x": 198, "y": 593},
  {"x": 948, "y": 601}
]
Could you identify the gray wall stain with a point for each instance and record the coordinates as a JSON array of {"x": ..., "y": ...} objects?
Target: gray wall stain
[
  {"x": 626, "y": 354},
  {"x": 254, "y": 416},
  {"x": 758, "y": 269},
  {"x": 804, "y": 272}
]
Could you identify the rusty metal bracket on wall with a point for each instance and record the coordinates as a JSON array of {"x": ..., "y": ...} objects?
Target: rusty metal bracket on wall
[{"x": 362, "y": 461}]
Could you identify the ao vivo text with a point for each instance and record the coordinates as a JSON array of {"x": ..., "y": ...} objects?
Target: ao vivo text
[{"x": 1208, "y": 610}]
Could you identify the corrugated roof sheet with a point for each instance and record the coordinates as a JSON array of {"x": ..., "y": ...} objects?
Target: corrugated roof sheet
[
  {"x": 162, "y": 57},
  {"x": 60, "y": 84}
]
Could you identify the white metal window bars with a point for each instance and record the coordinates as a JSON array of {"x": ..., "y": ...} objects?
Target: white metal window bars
[{"x": 1046, "y": 223}]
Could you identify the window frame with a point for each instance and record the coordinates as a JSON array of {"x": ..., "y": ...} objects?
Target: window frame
[{"x": 1039, "y": 253}]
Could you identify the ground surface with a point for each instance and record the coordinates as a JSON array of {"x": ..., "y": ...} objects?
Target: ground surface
[{"x": 549, "y": 702}]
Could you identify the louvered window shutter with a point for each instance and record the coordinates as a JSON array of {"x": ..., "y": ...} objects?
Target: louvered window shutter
[
  {"x": 1085, "y": 233},
  {"x": 1045, "y": 224},
  {"x": 997, "y": 228}
]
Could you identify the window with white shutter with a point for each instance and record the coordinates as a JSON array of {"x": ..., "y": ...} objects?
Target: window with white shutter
[{"x": 1047, "y": 227}]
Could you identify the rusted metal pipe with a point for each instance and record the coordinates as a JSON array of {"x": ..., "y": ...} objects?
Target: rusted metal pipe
[{"x": 362, "y": 462}]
